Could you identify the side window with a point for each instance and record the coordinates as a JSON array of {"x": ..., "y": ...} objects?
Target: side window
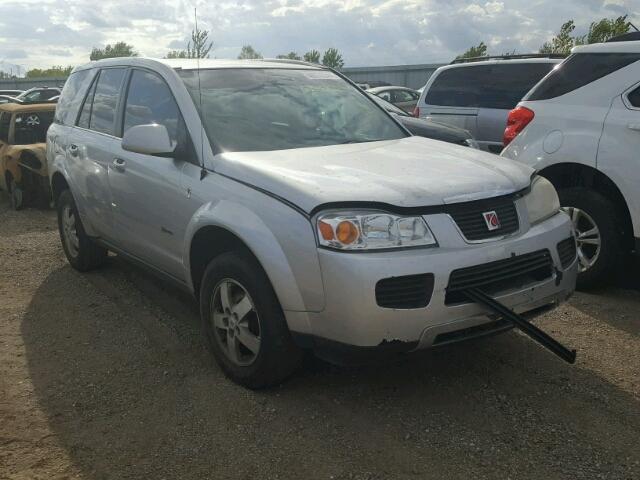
[
  {"x": 5, "y": 123},
  {"x": 402, "y": 96},
  {"x": 85, "y": 114},
  {"x": 70, "y": 97},
  {"x": 579, "y": 70},
  {"x": 105, "y": 100},
  {"x": 634, "y": 98},
  {"x": 385, "y": 96},
  {"x": 149, "y": 100}
]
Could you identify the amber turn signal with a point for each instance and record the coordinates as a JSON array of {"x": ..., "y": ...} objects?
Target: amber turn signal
[{"x": 347, "y": 232}]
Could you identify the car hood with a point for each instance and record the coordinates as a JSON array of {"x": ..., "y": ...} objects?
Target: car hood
[{"x": 409, "y": 172}]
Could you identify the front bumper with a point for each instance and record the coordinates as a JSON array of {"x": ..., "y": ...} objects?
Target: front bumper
[{"x": 352, "y": 316}]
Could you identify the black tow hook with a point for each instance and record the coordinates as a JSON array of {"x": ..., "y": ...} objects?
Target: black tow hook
[{"x": 531, "y": 330}]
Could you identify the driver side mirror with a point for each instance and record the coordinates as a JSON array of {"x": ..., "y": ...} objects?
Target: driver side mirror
[{"x": 151, "y": 139}]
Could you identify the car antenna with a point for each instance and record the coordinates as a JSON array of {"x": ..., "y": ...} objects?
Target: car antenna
[{"x": 203, "y": 170}]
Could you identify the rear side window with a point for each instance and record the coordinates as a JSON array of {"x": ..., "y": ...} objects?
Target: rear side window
[
  {"x": 99, "y": 108},
  {"x": 579, "y": 70},
  {"x": 486, "y": 86},
  {"x": 149, "y": 100},
  {"x": 71, "y": 97},
  {"x": 5, "y": 123},
  {"x": 634, "y": 98}
]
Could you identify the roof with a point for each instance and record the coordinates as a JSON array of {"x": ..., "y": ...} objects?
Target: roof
[
  {"x": 609, "y": 47},
  {"x": 27, "y": 107},
  {"x": 203, "y": 63},
  {"x": 388, "y": 87},
  {"x": 514, "y": 61}
]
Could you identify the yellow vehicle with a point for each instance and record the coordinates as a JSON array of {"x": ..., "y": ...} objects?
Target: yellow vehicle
[{"x": 23, "y": 165}]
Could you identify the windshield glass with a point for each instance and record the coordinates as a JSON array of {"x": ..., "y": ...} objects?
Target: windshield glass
[
  {"x": 32, "y": 127},
  {"x": 250, "y": 109}
]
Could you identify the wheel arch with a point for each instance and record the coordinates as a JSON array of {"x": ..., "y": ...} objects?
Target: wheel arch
[
  {"x": 58, "y": 185},
  {"x": 228, "y": 226},
  {"x": 567, "y": 175}
]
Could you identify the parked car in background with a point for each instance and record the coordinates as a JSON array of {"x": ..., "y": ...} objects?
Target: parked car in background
[
  {"x": 477, "y": 94},
  {"x": 580, "y": 128},
  {"x": 402, "y": 97},
  {"x": 313, "y": 222},
  {"x": 11, "y": 93},
  {"x": 23, "y": 166},
  {"x": 428, "y": 128},
  {"x": 38, "y": 94}
]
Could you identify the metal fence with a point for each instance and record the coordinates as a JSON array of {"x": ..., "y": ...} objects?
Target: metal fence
[
  {"x": 26, "y": 83},
  {"x": 412, "y": 76}
]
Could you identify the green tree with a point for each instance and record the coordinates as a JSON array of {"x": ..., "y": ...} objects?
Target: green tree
[
  {"x": 332, "y": 59},
  {"x": 478, "y": 51},
  {"x": 120, "y": 49},
  {"x": 605, "y": 29},
  {"x": 290, "y": 56},
  {"x": 312, "y": 56},
  {"x": 563, "y": 42},
  {"x": 55, "y": 71},
  {"x": 248, "y": 53},
  {"x": 198, "y": 47}
]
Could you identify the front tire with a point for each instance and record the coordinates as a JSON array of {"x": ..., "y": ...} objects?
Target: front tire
[
  {"x": 244, "y": 323},
  {"x": 81, "y": 252},
  {"x": 598, "y": 233}
]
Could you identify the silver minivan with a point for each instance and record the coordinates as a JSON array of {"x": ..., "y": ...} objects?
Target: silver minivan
[
  {"x": 297, "y": 211},
  {"x": 477, "y": 94}
]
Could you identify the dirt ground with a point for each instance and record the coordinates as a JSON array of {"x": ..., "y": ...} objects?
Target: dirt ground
[{"x": 105, "y": 375}]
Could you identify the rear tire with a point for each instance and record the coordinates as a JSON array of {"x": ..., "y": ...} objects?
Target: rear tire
[
  {"x": 236, "y": 296},
  {"x": 597, "y": 263},
  {"x": 82, "y": 253}
]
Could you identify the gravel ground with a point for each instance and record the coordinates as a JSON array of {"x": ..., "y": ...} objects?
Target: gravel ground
[{"x": 104, "y": 375}]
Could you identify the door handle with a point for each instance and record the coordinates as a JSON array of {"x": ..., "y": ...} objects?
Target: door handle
[
  {"x": 634, "y": 126},
  {"x": 73, "y": 150},
  {"x": 119, "y": 164}
]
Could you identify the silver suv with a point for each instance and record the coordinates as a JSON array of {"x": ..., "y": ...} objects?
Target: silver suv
[
  {"x": 298, "y": 212},
  {"x": 477, "y": 94}
]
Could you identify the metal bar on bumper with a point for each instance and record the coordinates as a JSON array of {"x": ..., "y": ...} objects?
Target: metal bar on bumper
[{"x": 531, "y": 330}]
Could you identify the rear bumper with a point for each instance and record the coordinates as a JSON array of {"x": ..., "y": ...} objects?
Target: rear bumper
[{"x": 353, "y": 318}]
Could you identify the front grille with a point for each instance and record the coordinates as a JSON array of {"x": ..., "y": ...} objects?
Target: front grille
[
  {"x": 410, "y": 291},
  {"x": 470, "y": 220},
  {"x": 495, "y": 277},
  {"x": 567, "y": 251}
]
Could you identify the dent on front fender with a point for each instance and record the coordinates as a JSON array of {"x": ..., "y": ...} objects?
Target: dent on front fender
[{"x": 280, "y": 238}]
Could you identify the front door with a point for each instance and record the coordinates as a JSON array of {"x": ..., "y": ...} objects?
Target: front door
[{"x": 148, "y": 197}]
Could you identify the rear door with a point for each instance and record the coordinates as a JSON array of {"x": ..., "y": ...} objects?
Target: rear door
[
  {"x": 90, "y": 147},
  {"x": 452, "y": 98},
  {"x": 619, "y": 145}
]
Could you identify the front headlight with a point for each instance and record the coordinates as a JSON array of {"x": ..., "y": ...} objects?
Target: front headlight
[
  {"x": 367, "y": 230},
  {"x": 542, "y": 201}
]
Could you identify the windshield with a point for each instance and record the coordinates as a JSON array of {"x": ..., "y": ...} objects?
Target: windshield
[
  {"x": 32, "y": 127},
  {"x": 250, "y": 109}
]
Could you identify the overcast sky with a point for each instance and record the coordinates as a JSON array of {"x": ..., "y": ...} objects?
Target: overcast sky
[{"x": 41, "y": 33}]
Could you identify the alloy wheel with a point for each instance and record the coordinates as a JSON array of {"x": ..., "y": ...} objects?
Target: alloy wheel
[
  {"x": 589, "y": 240},
  {"x": 70, "y": 231},
  {"x": 235, "y": 322}
]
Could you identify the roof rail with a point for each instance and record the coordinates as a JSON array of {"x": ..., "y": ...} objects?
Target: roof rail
[
  {"x": 627, "y": 37},
  {"x": 508, "y": 57},
  {"x": 292, "y": 61}
]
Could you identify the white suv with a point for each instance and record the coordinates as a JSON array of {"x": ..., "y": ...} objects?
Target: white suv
[{"x": 583, "y": 134}]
